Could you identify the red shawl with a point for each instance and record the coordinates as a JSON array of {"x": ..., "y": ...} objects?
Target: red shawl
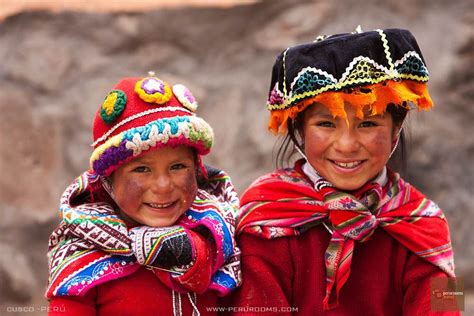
[{"x": 286, "y": 203}]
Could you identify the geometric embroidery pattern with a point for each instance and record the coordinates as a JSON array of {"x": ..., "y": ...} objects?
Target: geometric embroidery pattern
[
  {"x": 311, "y": 81},
  {"x": 92, "y": 244}
]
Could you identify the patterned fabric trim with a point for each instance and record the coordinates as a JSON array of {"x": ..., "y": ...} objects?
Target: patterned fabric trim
[
  {"x": 362, "y": 70},
  {"x": 285, "y": 203},
  {"x": 136, "y": 116},
  {"x": 365, "y": 82},
  {"x": 87, "y": 270},
  {"x": 179, "y": 130},
  {"x": 228, "y": 276},
  {"x": 92, "y": 243}
]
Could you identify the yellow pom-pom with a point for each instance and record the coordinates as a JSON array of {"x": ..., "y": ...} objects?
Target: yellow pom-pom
[{"x": 153, "y": 90}]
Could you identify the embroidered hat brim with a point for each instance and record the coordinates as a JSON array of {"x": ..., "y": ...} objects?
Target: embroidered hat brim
[
  {"x": 370, "y": 69},
  {"x": 190, "y": 131}
]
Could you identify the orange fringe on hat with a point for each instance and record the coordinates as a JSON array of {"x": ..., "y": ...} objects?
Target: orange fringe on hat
[{"x": 377, "y": 98}]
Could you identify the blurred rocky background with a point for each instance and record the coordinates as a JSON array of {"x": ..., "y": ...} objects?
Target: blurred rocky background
[{"x": 57, "y": 66}]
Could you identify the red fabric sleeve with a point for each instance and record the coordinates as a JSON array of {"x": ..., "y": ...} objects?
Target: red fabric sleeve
[
  {"x": 74, "y": 305},
  {"x": 417, "y": 287},
  {"x": 267, "y": 273}
]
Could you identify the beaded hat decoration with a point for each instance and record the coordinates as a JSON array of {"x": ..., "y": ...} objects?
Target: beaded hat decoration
[
  {"x": 141, "y": 114},
  {"x": 366, "y": 69}
]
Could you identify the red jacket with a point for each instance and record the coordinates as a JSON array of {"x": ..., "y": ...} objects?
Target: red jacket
[
  {"x": 287, "y": 274},
  {"x": 141, "y": 293}
]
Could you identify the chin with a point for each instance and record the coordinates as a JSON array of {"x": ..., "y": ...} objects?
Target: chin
[
  {"x": 348, "y": 186},
  {"x": 158, "y": 223}
]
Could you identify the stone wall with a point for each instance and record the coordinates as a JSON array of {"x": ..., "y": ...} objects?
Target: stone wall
[{"x": 56, "y": 69}]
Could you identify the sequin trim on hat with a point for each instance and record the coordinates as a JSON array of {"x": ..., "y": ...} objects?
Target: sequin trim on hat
[
  {"x": 185, "y": 97},
  {"x": 180, "y": 130},
  {"x": 113, "y": 106},
  {"x": 153, "y": 90}
]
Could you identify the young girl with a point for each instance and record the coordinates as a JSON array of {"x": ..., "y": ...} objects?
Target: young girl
[
  {"x": 340, "y": 233},
  {"x": 148, "y": 230}
]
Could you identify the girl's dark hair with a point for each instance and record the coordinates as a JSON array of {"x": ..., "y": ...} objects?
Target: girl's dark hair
[
  {"x": 398, "y": 162},
  {"x": 286, "y": 145}
]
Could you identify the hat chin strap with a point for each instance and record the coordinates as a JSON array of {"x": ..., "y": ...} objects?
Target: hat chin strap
[
  {"x": 398, "y": 139},
  {"x": 395, "y": 146},
  {"x": 298, "y": 149}
]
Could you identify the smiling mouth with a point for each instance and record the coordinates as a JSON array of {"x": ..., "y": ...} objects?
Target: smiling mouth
[
  {"x": 159, "y": 205},
  {"x": 348, "y": 165}
]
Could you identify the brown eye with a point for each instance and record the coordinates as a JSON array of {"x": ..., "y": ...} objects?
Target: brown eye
[
  {"x": 368, "y": 124},
  {"x": 178, "y": 166},
  {"x": 141, "y": 169},
  {"x": 325, "y": 124}
]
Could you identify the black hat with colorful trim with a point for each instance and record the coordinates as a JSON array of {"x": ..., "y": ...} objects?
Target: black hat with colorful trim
[{"x": 365, "y": 69}]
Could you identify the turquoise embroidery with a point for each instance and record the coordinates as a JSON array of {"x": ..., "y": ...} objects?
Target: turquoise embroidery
[
  {"x": 310, "y": 81},
  {"x": 413, "y": 66},
  {"x": 362, "y": 70}
]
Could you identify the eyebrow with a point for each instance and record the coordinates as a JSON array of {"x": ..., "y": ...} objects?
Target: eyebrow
[
  {"x": 140, "y": 160},
  {"x": 321, "y": 115},
  {"x": 146, "y": 160}
]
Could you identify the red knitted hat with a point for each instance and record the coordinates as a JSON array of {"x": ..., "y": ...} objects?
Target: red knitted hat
[{"x": 141, "y": 114}]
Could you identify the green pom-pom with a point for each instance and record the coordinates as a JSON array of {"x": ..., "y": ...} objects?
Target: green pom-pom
[{"x": 113, "y": 106}]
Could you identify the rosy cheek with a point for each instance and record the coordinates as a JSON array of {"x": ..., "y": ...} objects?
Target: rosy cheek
[
  {"x": 381, "y": 142},
  {"x": 132, "y": 192},
  {"x": 134, "y": 187},
  {"x": 314, "y": 143},
  {"x": 190, "y": 186}
]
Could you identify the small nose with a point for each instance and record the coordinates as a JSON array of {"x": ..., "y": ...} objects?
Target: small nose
[
  {"x": 346, "y": 140},
  {"x": 161, "y": 183}
]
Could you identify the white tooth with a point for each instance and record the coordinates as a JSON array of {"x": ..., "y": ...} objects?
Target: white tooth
[
  {"x": 160, "y": 205},
  {"x": 348, "y": 165}
]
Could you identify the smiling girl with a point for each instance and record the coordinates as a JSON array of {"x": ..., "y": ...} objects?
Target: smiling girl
[
  {"x": 148, "y": 230},
  {"x": 340, "y": 233},
  {"x": 155, "y": 189}
]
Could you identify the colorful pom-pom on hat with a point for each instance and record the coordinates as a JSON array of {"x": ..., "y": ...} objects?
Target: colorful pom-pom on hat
[
  {"x": 141, "y": 114},
  {"x": 366, "y": 69}
]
